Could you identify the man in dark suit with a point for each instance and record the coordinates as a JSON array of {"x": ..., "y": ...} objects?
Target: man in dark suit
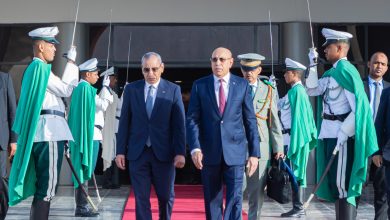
[
  {"x": 382, "y": 157},
  {"x": 7, "y": 136},
  {"x": 373, "y": 85},
  {"x": 7, "y": 115},
  {"x": 152, "y": 134},
  {"x": 220, "y": 115}
]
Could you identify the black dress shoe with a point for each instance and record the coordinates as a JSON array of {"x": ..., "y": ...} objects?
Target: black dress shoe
[
  {"x": 294, "y": 213},
  {"x": 85, "y": 213}
]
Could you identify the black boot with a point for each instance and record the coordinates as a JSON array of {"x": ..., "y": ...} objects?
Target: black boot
[
  {"x": 297, "y": 199},
  {"x": 39, "y": 210},
  {"x": 111, "y": 177},
  {"x": 337, "y": 209},
  {"x": 82, "y": 209},
  {"x": 346, "y": 210}
]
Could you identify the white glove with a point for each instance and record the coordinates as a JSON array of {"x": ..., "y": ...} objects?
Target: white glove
[
  {"x": 341, "y": 139},
  {"x": 313, "y": 56},
  {"x": 71, "y": 54},
  {"x": 106, "y": 81}
]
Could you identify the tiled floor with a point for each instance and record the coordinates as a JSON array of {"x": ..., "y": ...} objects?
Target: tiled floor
[{"x": 113, "y": 201}]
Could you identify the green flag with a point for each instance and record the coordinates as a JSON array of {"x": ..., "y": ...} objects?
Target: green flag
[
  {"x": 347, "y": 76},
  {"x": 303, "y": 136},
  {"x": 22, "y": 178},
  {"x": 81, "y": 122}
]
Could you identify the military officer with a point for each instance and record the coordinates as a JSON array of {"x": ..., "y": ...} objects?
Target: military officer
[
  {"x": 347, "y": 125},
  {"x": 299, "y": 132},
  {"x": 264, "y": 97},
  {"x": 41, "y": 125}
]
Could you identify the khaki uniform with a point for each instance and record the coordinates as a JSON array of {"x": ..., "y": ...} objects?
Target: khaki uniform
[{"x": 270, "y": 131}]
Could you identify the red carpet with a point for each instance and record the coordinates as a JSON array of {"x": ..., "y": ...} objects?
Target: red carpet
[{"x": 188, "y": 204}]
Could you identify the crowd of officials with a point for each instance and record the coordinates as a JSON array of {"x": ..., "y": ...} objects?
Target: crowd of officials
[{"x": 234, "y": 127}]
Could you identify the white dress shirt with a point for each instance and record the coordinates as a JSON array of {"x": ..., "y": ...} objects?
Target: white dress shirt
[
  {"x": 154, "y": 91},
  {"x": 340, "y": 101},
  {"x": 54, "y": 127}
]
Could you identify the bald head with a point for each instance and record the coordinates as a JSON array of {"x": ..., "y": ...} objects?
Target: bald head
[
  {"x": 377, "y": 66},
  {"x": 221, "y": 61}
]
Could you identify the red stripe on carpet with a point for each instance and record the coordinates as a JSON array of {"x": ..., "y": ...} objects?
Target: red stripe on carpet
[{"x": 189, "y": 204}]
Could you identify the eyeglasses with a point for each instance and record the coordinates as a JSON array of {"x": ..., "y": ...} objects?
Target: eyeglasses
[
  {"x": 153, "y": 69},
  {"x": 221, "y": 59}
]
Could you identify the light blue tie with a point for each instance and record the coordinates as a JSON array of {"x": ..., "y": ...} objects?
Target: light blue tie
[
  {"x": 149, "y": 108},
  {"x": 149, "y": 102},
  {"x": 377, "y": 97}
]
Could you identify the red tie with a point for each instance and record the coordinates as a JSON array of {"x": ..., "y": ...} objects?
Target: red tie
[{"x": 222, "y": 99}]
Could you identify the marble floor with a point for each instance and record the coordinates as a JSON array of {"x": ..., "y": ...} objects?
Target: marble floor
[{"x": 113, "y": 201}]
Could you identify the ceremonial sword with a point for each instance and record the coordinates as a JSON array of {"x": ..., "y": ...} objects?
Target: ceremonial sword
[
  {"x": 67, "y": 156},
  {"x": 306, "y": 204},
  {"x": 75, "y": 22},
  {"x": 272, "y": 78},
  {"x": 109, "y": 41},
  {"x": 128, "y": 58}
]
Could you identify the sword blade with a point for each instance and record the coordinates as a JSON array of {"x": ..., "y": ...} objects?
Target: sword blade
[
  {"x": 128, "y": 58},
  {"x": 311, "y": 26},
  {"x": 75, "y": 22},
  {"x": 272, "y": 77},
  {"x": 109, "y": 40}
]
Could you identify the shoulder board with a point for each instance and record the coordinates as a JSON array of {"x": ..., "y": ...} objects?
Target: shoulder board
[{"x": 265, "y": 81}]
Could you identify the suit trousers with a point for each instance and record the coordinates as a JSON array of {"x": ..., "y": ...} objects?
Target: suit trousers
[
  {"x": 146, "y": 171},
  {"x": 213, "y": 177},
  {"x": 380, "y": 198},
  {"x": 3, "y": 163},
  {"x": 386, "y": 163},
  {"x": 254, "y": 187}
]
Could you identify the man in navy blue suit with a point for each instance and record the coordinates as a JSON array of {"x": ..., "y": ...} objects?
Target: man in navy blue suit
[
  {"x": 382, "y": 127},
  {"x": 152, "y": 134},
  {"x": 222, "y": 131}
]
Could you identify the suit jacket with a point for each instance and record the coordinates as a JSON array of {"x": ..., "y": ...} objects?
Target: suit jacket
[
  {"x": 367, "y": 88},
  {"x": 382, "y": 124},
  {"x": 268, "y": 123},
  {"x": 222, "y": 135},
  {"x": 7, "y": 110},
  {"x": 166, "y": 126}
]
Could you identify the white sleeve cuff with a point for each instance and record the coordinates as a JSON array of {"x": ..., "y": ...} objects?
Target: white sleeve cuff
[{"x": 195, "y": 150}]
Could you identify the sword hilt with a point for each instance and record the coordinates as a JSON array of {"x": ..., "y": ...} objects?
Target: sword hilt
[{"x": 307, "y": 203}]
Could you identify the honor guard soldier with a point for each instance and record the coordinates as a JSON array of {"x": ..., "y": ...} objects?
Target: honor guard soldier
[
  {"x": 264, "y": 97},
  {"x": 299, "y": 132},
  {"x": 111, "y": 171},
  {"x": 85, "y": 109},
  {"x": 347, "y": 125},
  {"x": 41, "y": 126}
]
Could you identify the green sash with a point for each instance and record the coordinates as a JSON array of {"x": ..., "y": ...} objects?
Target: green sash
[
  {"x": 347, "y": 76},
  {"x": 81, "y": 122},
  {"x": 303, "y": 136},
  {"x": 22, "y": 178}
]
